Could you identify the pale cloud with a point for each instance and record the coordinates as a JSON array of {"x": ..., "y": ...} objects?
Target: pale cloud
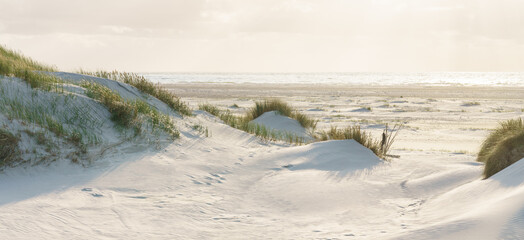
[{"x": 269, "y": 35}]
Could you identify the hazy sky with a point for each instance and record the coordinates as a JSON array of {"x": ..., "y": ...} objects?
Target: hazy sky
[{"x": 268, "y": 35}]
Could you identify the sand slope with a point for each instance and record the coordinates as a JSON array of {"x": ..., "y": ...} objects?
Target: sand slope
[{"x": 232, "y": 185}]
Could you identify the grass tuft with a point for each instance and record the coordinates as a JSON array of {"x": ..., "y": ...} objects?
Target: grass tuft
[
  {"x": 14, "y": 64},
  {"x": 127, "y": 113},
  {"x": 144, "y": 85},
  {"x": 381, "y": 148},
  {"x": 244, "y": 123},
  {"x": 122, "y": 112},
  {"x": 503, "y": 147},
  {"x": 9, "y": 150},
  {"x": 283, "y": 108}
]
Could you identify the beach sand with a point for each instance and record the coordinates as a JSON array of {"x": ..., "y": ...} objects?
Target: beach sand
[{"x": 452, "y": 119}]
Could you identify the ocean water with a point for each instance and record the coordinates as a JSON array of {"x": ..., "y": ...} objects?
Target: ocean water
[{"x": 430, "y": 79}]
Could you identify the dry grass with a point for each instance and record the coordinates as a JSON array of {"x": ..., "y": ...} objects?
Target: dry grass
[
  {"x": 14, "y": 64},
  {"x": 127, "y": 113},
  {"x": 244, "y": 123},
  {"x": 144, "y": 85},
  {"x": 503, "y": 147},
  {"x": 122, "y": 112},
  {"x": 283, "y": 108},
  {"x": 9, "y": 151},
  {"x": 381, "y": 148}
]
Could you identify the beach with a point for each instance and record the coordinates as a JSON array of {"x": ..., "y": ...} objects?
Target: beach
[
  {"x": 436, "y": 118},
  {"x": 215, "y": 181}
]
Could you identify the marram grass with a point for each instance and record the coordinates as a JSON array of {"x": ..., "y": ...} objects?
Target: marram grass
[
  {"x": 130, "y": 114},
  {"x": 503, "y": 147},
  {"x": 284, "y": 109},
  {"x": 244, "y": 123},
  {"x": 14, "y": 64},
  {"x": 144, "y": 85},
  {"x": 381, "y": 148},
  {"x": 9, "y": 150}
]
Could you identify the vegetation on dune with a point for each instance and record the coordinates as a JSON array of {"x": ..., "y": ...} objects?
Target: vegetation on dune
[
  {"x": 244, "y": 123},
  {"x": 54, "y": 117},
  {"x": 283, "y": 108},
  {"x": 144, "y": 85},
  {"x": 503, "y": 147},
  {"x": 130, "y": 113},
  {"x": 14, "y": 64},
  {"x": 381, "y": 148},
  {"x": 9, "y": 150}
]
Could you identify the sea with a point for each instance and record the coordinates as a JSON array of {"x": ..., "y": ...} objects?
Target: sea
[{"x": 429, "y": 79}]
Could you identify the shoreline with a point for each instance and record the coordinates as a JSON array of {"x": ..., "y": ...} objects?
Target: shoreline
[{"x": 229, "y": 90}]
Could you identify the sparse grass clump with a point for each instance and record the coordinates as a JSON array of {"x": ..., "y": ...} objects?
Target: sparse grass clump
[
  {"x": 9, "y": 150},
  {"x": 381, "y": 148},
  {"x": 212, "y": 109},
  {"x": 469, "y": 104},
  {"x": 144, "y": 85},
  {"x": 503, "y": 147},
  {"x": 281, "y": 107},
  {"x": 127, "y": 113},
  {"x": 355, "y": 133},
  {"x": 122, "y": 112},
  {"x": 14, "y": 64},
  {"x": 244, "y": 123}
]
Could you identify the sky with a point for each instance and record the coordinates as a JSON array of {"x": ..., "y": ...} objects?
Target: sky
[{"x": 268, "y": 35}]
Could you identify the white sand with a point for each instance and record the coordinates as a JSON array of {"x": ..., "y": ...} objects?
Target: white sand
[
  {"x": 234, "y": 186},
  {"x": 435, "y": 118}
]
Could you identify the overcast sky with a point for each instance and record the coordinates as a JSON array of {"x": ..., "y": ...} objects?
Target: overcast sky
[{"x": 268, "y": 35}]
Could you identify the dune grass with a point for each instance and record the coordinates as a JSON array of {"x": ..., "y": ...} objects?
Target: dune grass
[
  {"x": 503, "y": 147},
  {"x": 129, "y": 114},
  {"x": 244, "y": 123},
  {"x": 9, "y": 150},
  {"x": 381, "y": 148},
  {"x": 284, "y": 109},
  {"x": 14, "y": 64},
  {"x": 144, "y": 85}
]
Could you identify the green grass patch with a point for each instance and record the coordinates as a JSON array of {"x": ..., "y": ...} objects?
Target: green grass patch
[
  {"x": 144, "y": 85},
  {"x": 503, "y": 147}
]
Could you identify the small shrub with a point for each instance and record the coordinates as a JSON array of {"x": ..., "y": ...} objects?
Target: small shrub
[
  {"x": 503, "y": 147},
  {"x": 9, "y": 150},
  {"x": 144, "y": 85}
]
